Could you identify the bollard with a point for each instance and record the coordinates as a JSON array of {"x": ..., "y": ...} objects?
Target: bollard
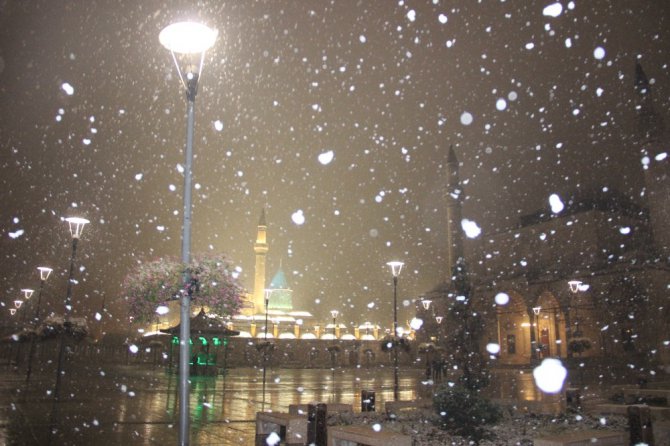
[
  {"x": 573, "y": 398},
  {"x": 639, "y": 424},
  {"x": 317, "y": 433},
  {"x": 367, "y": 401}
]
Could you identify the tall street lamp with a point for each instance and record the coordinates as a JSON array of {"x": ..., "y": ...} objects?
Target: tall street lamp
[
  {"x": 396, "y": 267},
  {"x": 45, "y": 272},
  {"x": 76, "y": 225},
  {"x": 189, "y": 40},
  {"x": 265, "y": 345}
]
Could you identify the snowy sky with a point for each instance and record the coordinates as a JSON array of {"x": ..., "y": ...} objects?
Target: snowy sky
[{"x": 337, "y": 112}]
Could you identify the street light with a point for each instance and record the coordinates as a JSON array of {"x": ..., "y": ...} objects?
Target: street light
[
  {"x": 18, "y": 303},
  {"x": 76, "y": 225},
  {"x": 536, "y": 312},
  {"x": 426, "y": 303},
  {"x": 189, "y": 40},
  {"x": 334, "y": 313},
  {"x": 396, "y": 267},
  {"x": 574, "y": 285},
  {"x": 45, "y": 272}
]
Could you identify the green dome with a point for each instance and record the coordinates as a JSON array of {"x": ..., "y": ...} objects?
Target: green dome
[{"x": 281, "y": 297}]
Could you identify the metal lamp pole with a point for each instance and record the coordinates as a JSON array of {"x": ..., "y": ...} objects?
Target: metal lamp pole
[
  {"x": 45, "y": 272},
  {"x": 188, "y": 40},
  {"x": 76, "y": 225},
  {"x": 396, "y": 267},
  {"x": 265, "y": 357}
]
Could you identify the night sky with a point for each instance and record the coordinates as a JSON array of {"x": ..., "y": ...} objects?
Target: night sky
[{"x": 384, "y": 87}]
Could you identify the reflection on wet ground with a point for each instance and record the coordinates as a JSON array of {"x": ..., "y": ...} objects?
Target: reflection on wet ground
[{"x": 135, "y": 404}]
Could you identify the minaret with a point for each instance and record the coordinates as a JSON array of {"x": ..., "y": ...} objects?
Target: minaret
[
  {"x": 261, "y": 249},
  {"x": 454, "y": 205},
  {"x": 656, "y": 163}
]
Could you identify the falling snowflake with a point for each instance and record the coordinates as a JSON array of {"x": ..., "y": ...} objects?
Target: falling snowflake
[
  {"x": 298, "y": 217},
  {"x": 67, "y": 88},
  {"x": 326, "y": 157},
  {"x": 472, "y": 230},
  {"x": 553, "y": 10}
]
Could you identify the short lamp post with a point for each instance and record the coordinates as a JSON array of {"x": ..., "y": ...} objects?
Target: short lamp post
[
  {"x": 334, "y": 314},
  {"x": 536, "y": 349},
  {"x": 575, "y": 287},
  {"x": 45, "y": 272},
  {"x": 27, "y": 294},
  {"x": 396, "y": 267},
  {"x": 187, "y": 43}
]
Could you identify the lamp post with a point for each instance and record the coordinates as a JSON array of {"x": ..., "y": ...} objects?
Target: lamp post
[
  {"x": 190, "y": 41},
  {"x": 536, "y": 312},
  {"x": 265, "y": 347},
  {"x": 396, "y": 267},
  {"x": 334, "y": 313},
  {"x": 27, "y": 294},
  {"x": 45, "y": 272},
  {"x": 575, "y": 287},
  {"x": 76, "y": 225}
]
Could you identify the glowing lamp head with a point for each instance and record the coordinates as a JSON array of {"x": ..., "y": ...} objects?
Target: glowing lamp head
[
  {"x": 44, "y": 272},
  {"x": 574, "y": 285},
  {"x": 334, "y": 313},
  {"x": 439, "y": 319},
  {"x": 18, "y": 303},
  {"x": 396, "y": 267},
  {"x": 426, "y": 303},
  {"x": 187, "y": 37},
  {"x": 76, "y": 225},
  {"x": 12, "y": 311},
  {"x": 536, "y": 310},
  {"x": 27, "y": 293}
]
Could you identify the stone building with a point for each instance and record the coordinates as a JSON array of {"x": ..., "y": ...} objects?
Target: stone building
[{"x": 591, "y": 280}]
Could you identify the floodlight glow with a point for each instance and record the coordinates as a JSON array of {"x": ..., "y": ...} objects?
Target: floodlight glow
[{"x": 187, "y": 37}]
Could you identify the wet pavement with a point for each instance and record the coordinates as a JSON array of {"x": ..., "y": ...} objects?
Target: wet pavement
[{"x": 112, "y": 404}]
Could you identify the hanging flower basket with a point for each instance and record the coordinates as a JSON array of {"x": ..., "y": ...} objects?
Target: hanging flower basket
[{"x": 156, "y": 283}]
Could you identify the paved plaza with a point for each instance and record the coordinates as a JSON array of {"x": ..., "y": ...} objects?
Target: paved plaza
[{"x": 136, "y": 403}]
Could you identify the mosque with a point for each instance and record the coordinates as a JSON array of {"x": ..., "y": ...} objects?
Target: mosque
[
  {"x": 268, "y": 311},
  {"x": 590, "y": 281}
]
